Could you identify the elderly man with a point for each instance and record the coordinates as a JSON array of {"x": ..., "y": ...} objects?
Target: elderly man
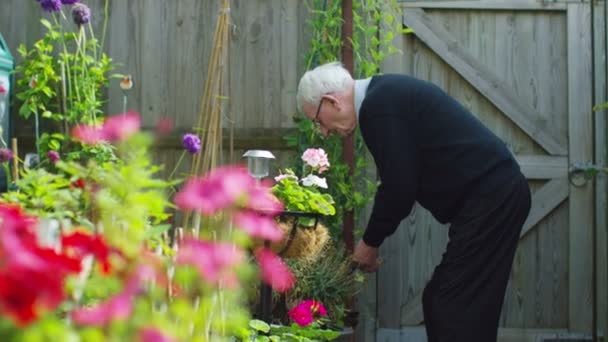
[{"x": 430, "y": 149}]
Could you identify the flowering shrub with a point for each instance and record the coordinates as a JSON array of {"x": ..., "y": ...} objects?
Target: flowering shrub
[
  {"x": 304, "y": 194},
  {"x": 103, "y": 272},
  {"x": 63, "y": 78}
]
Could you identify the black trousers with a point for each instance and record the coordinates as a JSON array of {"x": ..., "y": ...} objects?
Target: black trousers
[{"x": 463, "y": 300}]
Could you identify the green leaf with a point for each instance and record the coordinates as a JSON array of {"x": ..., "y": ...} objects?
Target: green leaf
[
  {"x": 156, "y": 231},
  {"x": 259, "y": 325},
  {"x": 46, "y": 24}
]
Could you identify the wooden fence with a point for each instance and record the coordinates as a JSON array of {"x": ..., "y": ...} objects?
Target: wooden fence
[{"x": 523, "y": 67}]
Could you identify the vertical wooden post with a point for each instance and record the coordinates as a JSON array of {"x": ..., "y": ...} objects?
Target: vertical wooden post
[{"x": 580, "y": 149}]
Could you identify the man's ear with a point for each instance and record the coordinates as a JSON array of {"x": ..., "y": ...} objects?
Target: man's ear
[{"x": 333, "y": 99}]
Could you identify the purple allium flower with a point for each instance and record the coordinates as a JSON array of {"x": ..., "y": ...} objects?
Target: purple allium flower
[
  {"x": 50, "y": 5},
  {"x": 81, "y": 14},
  {"x": 191, "y": 143},
  {"x": 69, "y": 2},
  {"x": 5, "y": 155},
  {"x": 53, "y": 156}
]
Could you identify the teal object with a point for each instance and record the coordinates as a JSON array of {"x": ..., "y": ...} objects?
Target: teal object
[{"x": 7, "y": 64}]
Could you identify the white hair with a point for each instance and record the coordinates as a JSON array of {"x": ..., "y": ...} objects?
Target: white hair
[{"x": 324, "y": 79}]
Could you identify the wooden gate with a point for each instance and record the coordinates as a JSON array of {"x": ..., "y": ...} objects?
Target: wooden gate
[{"x": 524, "y": 68}]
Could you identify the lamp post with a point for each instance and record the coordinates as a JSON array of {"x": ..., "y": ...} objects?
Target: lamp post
[
  {"x": 258, "y": 163},
  {"x": 258, "y": 166}
]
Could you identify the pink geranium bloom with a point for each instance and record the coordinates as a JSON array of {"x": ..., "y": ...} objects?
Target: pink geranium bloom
[
  {"x": 215, "y": 262},
  {"x": 258, "y": 226},
  {"x": 122, "y": 126},
  {"x": 89, "y": 134},
  {"x": 316, "y": 158},
  {"x": 274, "y": 271},
  {"x": 150, "y": 334},
  {"x": 2, "y": 90},
  {"x": 304, "y": 313},
  {"x": 301, "y": 315}
]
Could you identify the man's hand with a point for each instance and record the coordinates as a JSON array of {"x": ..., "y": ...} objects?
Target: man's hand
[{"x": 366, "y": 257}]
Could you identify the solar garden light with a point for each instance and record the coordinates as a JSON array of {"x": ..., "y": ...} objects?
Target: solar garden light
[{"x": 258, "y": 163}]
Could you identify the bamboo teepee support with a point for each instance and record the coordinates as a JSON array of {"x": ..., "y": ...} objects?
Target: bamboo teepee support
[{"x": 209, "y": 123}]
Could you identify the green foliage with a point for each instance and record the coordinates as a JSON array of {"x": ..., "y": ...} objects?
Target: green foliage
[
  {"x": 46, "y": 194},
  {"x": 260, "y": 331},
  {"x": 330, "y": 280},
  {"x": 61, "y": 81},
  {"x": 297, "y": 197},
  {"x": 374, "y": 27}
]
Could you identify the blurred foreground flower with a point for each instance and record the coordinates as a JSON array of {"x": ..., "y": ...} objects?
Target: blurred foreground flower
[
  {"x": 120, "y": 306},
  {"x": 153, "y": 335},
  {"x": 258, "y": 226},
  {"x": 215, "y": 262},
  {"x": 274, "y": 271},
  {"x": 114, "y": 129},
  {"x": 31, "y": 277}
]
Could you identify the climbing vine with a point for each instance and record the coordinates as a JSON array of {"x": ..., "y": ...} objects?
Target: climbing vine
[{"x": 375, "y": 25}]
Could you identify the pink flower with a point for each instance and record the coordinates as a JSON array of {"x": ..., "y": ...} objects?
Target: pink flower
[
  {"x": 164, "y": 126},
  {"x": 274, "y": 271},
  {"x": 260, "y": 198},
  {"x": 316, "y": 158},
  {"x": 2, "y": 90},
  {"x": 301, "y": 315},
  {"x": 258, "y": 226},
  {"x": 215, "y": 261},
  {"x": 122, "y": 126},
  {"x": 120, "y": 306},
  {"x": 115, "y": 128},
  {"x": 53, "y": 156},
  {"x": 88, "y": 134},
  {"x": 150, "y": 334},
  {"x": 219, "y": 189},
  {"x": 285, "y": 176},
  {"x": 304, "y": 313}
]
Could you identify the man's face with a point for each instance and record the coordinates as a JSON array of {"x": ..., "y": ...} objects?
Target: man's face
[{"x": 331, "y": 116}]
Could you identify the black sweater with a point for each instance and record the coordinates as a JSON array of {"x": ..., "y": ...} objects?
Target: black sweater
[{"x": 427, "y": 148}]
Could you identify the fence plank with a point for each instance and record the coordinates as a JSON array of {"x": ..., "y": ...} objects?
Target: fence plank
[
  {"x": 581, "y": 198},
  {"x": 484, "y": 80}
]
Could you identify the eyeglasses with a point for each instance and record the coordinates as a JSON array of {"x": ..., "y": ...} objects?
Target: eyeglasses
[{"x": 316, "y": 120}]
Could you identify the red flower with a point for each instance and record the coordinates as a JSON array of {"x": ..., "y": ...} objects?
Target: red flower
[
  {"x": 82, "y": 244},
  {"x": 79, "y": 183},
  {"x": 31, "y": 277}
]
